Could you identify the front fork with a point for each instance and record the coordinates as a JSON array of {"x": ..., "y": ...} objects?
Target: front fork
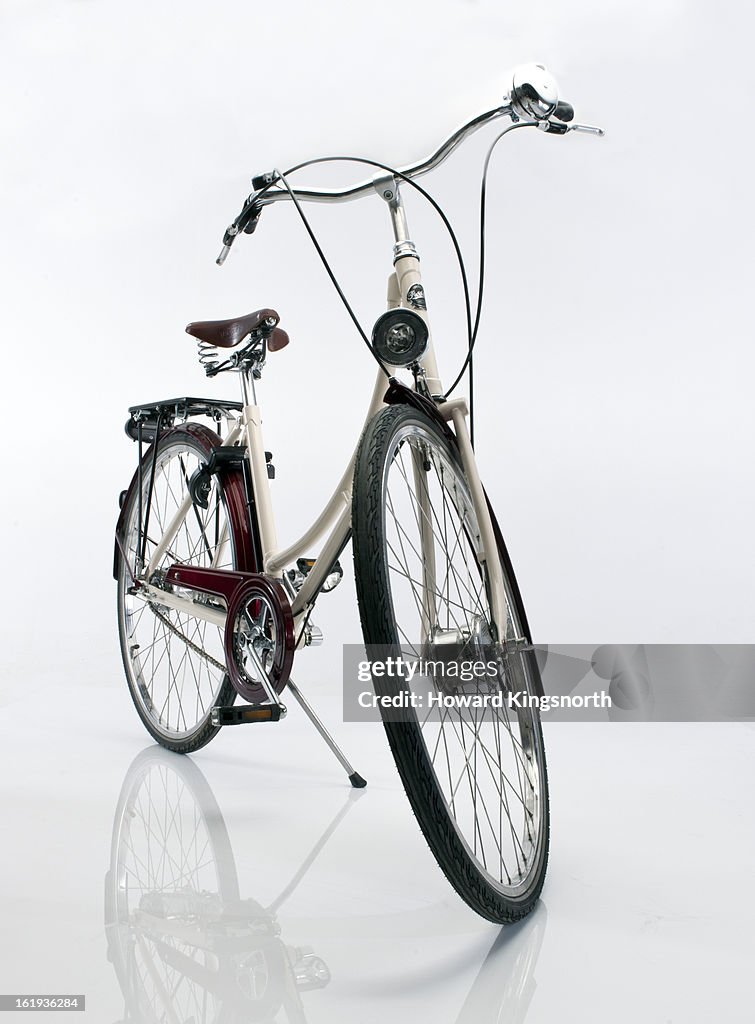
[
  {"x": 405, "y": 289},
  {"x": 456, "y": 410}
]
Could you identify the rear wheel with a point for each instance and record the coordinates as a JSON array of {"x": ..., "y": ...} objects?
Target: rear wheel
[
  {"x": 476, "y": 778},
  {"x": 175, "y": 663}
]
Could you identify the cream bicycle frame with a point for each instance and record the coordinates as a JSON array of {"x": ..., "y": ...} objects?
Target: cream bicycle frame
[{"x": 334, "y": 522}]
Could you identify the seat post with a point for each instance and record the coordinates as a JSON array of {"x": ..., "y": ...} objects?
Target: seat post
[{"x": 248, "y": 390}]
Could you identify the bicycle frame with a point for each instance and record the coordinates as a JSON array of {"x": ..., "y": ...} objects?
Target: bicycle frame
[
  {"x": 413, "y": 475},
  {"x": 334, "y": 522}
]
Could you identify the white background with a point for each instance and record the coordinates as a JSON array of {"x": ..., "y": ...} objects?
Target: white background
[
  {"x": 615, "y": 417},
  {"x": 615, "y": 357}
]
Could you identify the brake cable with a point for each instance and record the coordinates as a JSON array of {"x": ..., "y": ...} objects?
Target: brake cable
[
  {"x": 481, "y": 280},
  {"x": 280, "y": 176},
  {"x": 250, "y": 215},
  {"x": 277, "y": 175}
]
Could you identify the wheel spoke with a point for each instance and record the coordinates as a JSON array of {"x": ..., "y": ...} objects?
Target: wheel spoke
[
  {"x": 174, "y": 683},
  {"x": 486, "y": 760}
]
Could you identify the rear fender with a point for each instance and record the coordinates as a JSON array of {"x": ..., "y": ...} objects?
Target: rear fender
[{"x": 231, "y": 482}]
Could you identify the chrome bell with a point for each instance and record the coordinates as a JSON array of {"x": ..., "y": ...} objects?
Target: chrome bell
[{"x": 534, "y": 93}]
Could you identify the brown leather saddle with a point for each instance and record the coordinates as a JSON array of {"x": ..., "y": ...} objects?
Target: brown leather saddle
[{"x": 227, "y": 333}]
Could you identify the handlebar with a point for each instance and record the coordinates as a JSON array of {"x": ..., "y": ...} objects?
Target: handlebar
[
  {"x": 532, "y": 101},
  {"x": 411, "y": 171}
]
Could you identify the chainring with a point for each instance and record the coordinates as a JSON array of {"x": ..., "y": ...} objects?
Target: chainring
[{"x": 259, "y": 613}]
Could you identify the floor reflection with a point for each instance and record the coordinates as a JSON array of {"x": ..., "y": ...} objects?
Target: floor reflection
[
  {"x": 503, "y": 989},
  {"x": 187, "y": 948}
]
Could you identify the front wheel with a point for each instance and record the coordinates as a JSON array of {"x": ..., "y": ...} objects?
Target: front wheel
[{"x": 476, "y": 779}]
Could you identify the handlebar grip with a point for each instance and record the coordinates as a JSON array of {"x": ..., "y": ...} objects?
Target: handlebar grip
[
  {"x": 564, "y": 111},
  {"x": 246, "y": 221},
  {"x": 249, "y": 217}
]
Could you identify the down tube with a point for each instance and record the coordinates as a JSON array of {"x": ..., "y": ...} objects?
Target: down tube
[{"x": 336, "y": 517}]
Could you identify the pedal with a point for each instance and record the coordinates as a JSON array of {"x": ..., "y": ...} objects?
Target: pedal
[{"x": 242, "y": 713}]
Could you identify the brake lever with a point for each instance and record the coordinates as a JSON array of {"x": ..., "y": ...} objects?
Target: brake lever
[
  {"x": 558, "y": 128},
  {"x": 586, "y": 129},
  {"x": 246, "y": 221}
]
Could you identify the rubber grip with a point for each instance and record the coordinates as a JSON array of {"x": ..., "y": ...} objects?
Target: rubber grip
[{"x": 564, "y": 111}]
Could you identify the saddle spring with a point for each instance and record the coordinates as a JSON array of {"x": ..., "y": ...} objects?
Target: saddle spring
[{"x": 209, "y": 357}]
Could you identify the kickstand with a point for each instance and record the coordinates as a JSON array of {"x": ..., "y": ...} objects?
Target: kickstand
[{"x": 355, "y": 778}]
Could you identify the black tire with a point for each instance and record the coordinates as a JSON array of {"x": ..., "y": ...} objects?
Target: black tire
[
  {"x": 182, "y": 728},
  {"x": 502, "y": 893}
]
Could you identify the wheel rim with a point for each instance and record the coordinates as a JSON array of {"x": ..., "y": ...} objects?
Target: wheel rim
[
  {"x": 175, "y": 662},
  {"x": 488, "y": 765}
]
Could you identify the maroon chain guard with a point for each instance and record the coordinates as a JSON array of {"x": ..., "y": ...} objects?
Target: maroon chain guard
[{"x": 237, "y": 589}]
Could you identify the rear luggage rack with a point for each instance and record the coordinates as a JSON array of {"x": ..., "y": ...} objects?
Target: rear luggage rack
[{"x": 145, "y": 417}]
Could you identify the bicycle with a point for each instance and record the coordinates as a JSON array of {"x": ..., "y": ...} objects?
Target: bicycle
[{"x": 210, "y": 607}]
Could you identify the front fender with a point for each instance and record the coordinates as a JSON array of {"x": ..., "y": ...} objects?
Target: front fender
[{"x": 400, "y": 394}]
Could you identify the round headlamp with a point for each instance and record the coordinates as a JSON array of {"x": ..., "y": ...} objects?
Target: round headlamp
[{"x": 399, "y": 337}]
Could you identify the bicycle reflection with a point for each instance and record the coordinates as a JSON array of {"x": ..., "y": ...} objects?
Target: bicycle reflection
[
  {"x": 184, "y": 944},
  {"x": 188, "y": 949}
]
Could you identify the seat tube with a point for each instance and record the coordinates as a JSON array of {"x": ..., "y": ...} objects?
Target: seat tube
[{"x": 258, "y": 465}]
